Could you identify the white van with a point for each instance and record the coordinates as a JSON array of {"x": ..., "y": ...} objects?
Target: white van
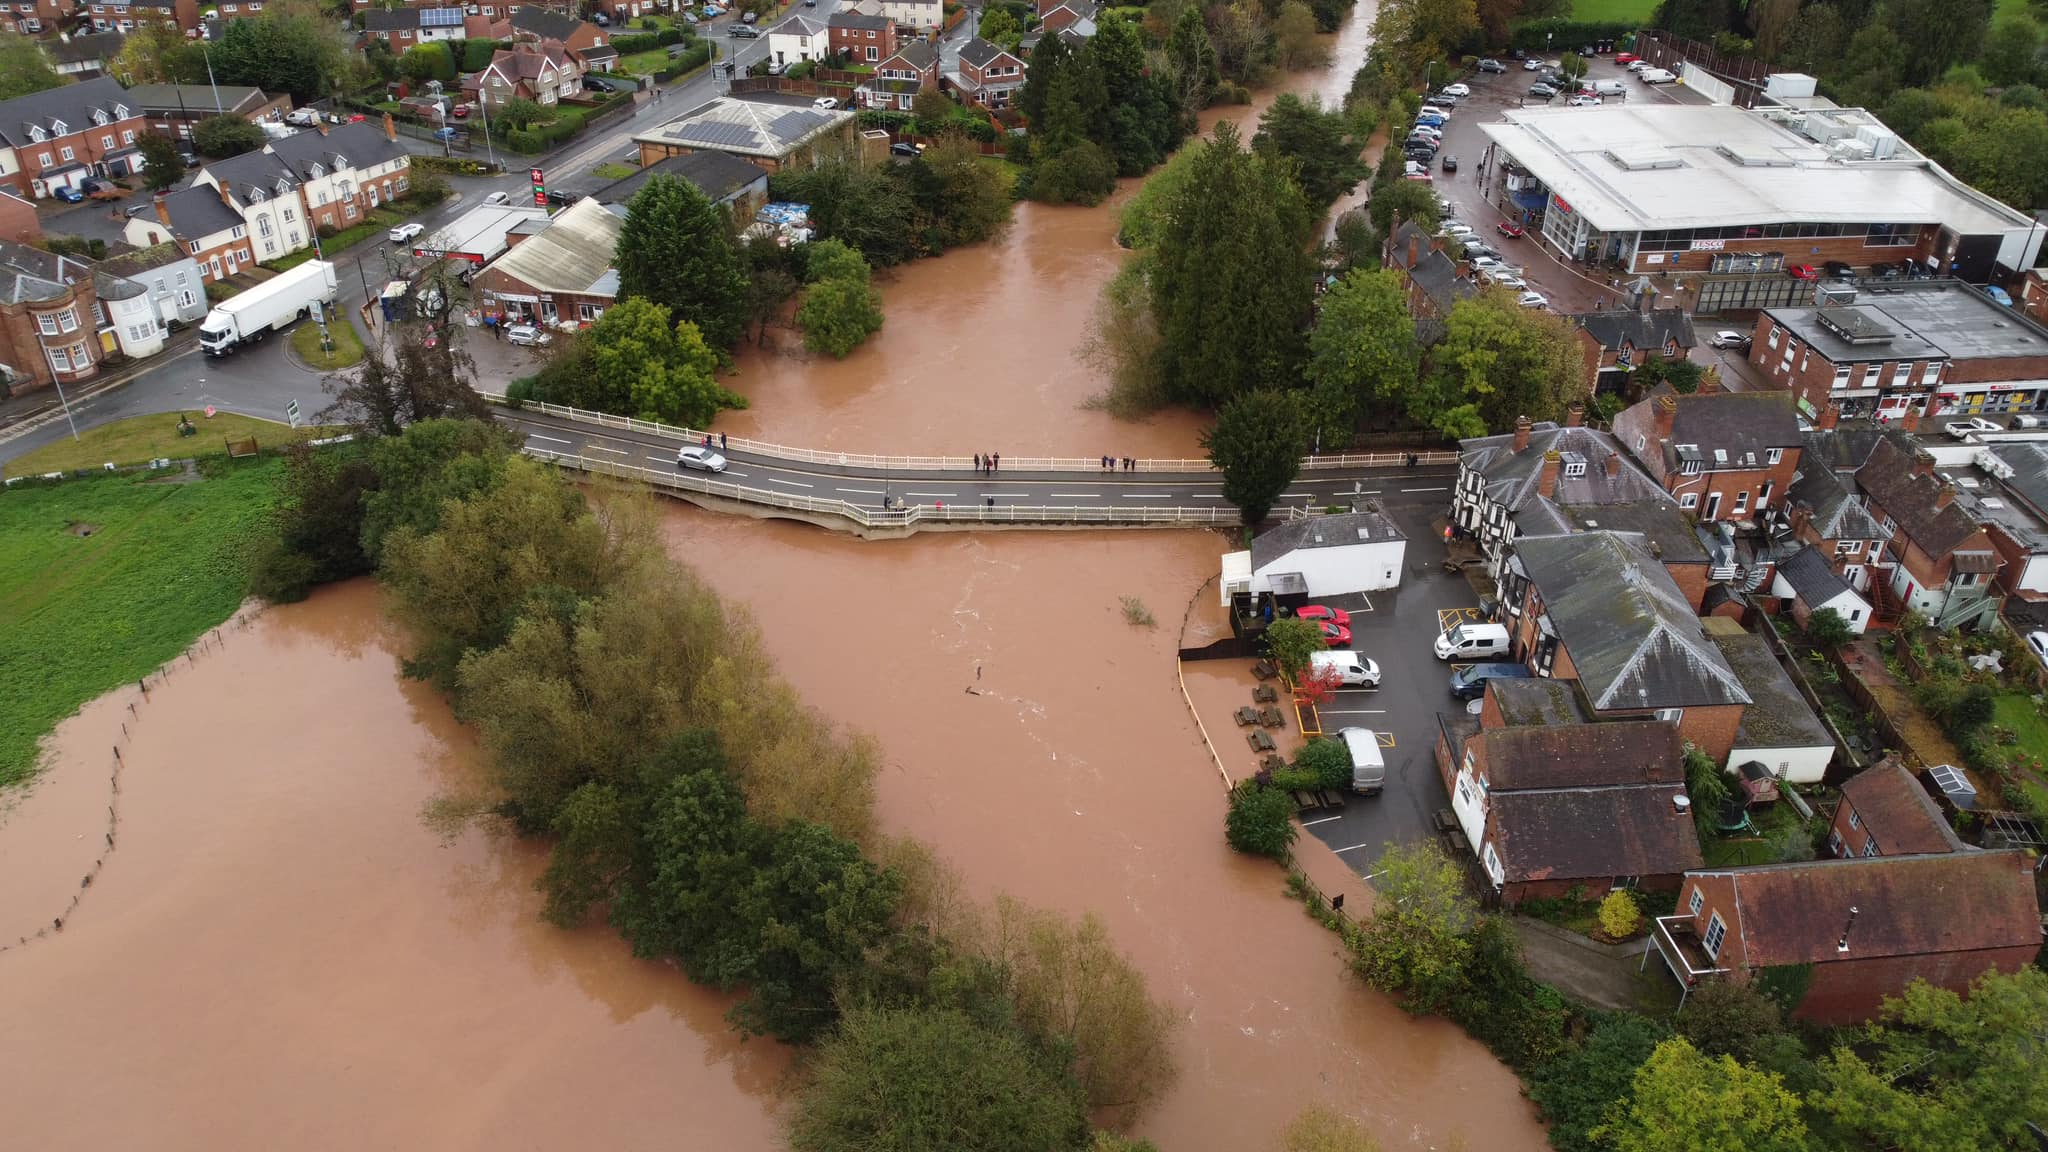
[
  {"x": 1473, "y": 641},
  {"x": 1609, "y": 88},
  {"x": 1656, "y": 76},
  {"x": 1368, "y": 766},
  {"x": 1353, "y": 670}
]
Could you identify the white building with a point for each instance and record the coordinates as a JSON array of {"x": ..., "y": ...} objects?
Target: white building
[
  {"x": 797, "y": 39},
  {"x": 1810, "y": 583},
  {"x": 924, "y": 15},
  {"x": 1319, "y": 556},
  {"x": 176, "y": 286},
  {"x": 1778, "y": 729},
  {"x": 266, "y": 193}
]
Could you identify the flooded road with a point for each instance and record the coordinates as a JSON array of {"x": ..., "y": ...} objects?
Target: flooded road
[
  {"x": 280, "y": 953},
  {"x": 1041, "y": 745}
]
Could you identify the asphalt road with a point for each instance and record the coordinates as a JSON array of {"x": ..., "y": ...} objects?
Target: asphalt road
[{"x": 1419, "y": 487}]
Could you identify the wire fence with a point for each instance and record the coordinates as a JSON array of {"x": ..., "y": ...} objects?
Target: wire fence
[
  {"x": 905, "y": 516},
  {"x": 874, "y": 462}
]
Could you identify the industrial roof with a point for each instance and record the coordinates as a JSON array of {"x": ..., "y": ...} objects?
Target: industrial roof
[
  {"x": 717, "y": 175},
  {"x": 200, "y": 98},
  {"x": 1936, "y": 319},
  {"x": 746, "y": 127},
  {"x": 478, "y": 232},
  {"x": 1642, "y": 166},
  {"x": 571, "y": 254}
]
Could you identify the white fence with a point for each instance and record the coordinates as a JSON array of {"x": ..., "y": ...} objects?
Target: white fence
[
  {"x": 901, "y": 517},
  {"x": 877, "y": 463}
]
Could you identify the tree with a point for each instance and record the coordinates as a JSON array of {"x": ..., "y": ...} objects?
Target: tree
[
  {"x": 911, "y": 1080},
  {"x": 1576, "y": 1090},
  {"x": 1296, "y": 43},
  {"x": 932, "y": 110},
  {"x": 162, "y": 166},
  {"x": 838, "y": 315},
  {"x": 833, "y": 260},
  {"x": 23, "y": 68},
  {"x": 1814, "y": 40},
  {"x": 157, "y": 54},
  {"x": 1191, "y": 63},
  {"x": 1362, "y": 351},
  {"x": 290, "y": 47},
  {"x": 644, "y": 366},
  {"x": 1329, "y": 761},
  {"x": 998, "y": 26},
  {"x": 1257, "y": 443},
  {"x": 1573, "y": 66},
  {"x": 1942, "y": 1073},
  {"x": 219, "y": 137},
  {"x": 1706, "y": 785},
  {"x": 1509, "y": 361},
  {"x": 1942, "y": 32},
  {"x": 1320, "y": 1129},
  {"x": 1618, "y": 915},
  {"x": 429, "y": 61},
  {"x": 427, "y": 377},
  {"x": 1145, "y": 123},
  {"x": 420, "y": 471},
  {"x": 1322, "y": 144},
  {"x": 2012, "y": 51},
  {"x": 1260, "y": 821},
  {"x": 1827, "y": 629},
  {"x": 1410, "y": 200},
  {"x": 518, "y": 113},
  {"x": 966, "y": 199},
  {"x": 1683, "y": 375},
  {"x": 1686, "y": 1102},
  {"x": 774, "y": 274},
  {"x": 864, "y": 205},
  {"x": 1415, "y": 946},
  {"x": 1243, "y": 42},
  {"x": 676, "y": 249},
  {"x": 1233, "y": 281},
  {"x": 1290, "y": 641},
  {"x": 1077, "y": 173}
]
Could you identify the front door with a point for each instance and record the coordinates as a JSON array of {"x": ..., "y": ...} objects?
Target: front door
[{"x": 1853, "y": 574}]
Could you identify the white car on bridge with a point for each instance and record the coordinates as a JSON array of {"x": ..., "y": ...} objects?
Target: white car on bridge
[{"x": 699, "y": 456}]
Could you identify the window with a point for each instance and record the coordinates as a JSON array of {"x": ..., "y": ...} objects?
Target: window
[
  {"x": 1902, "y": 373},
  {"x": 1774, "y": 335},
  {"x": 1640, "y": 442},
  {"x": 237, "y": 232},
  {"x": 1848, "y": 547},
  {"x": 1689, "y": 468},
  {"x": 1841, "y": 375},
  {"x": 270, "y": 248},
  {"x": 181, "y": 279},
  {"x": 1855, "y": 819},
  {"x": 289, "y": 216},
  {"x": 43, "y": 160},
  {"x": 1870, "y": 847},
  {"x": 1870, "y": 374},
  {"x": 48, "y": 324},
  {"x": 186, "y": 297},
  {"x": 349, "y": 210},
  {"x": 1773, "y": 455},
  {"x": 66, "y": 153},
  {"x": 1931, "y": 372},
  {"x": 1689, "y": 500},
  {"x": 60, "y": 360},
  {"x": 1697, "y": 901},
  {"x": 1741, "y": 503},
  {"x": 1674, "y": 715},
  {"x": 263, "y": 226},
  {"x": 107, "y": 142},
  {"x": 1717, "y": 931},
  {"x": 128, "y": 137},
  {"x": 588, "y": 313}
]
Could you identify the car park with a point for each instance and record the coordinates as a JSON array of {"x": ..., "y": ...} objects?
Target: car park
[
  {"x": 1472, "y": 639},
  {"x": 1368, "y": 764},
  {"x": 699, "y": 457},
  {"x": 526, "y": 336},
  {"x": 404, "y": 232},
  {"x": 1468, "y": 681},
  {"x": 1507, "y": 280},
  {"x": 1507, "y": 229},
  {"x": 1459, "y": 90},
  {"x": 1657, "y": 76},
  {"x": 1533, "y": 300},
  {"x": 1433, "y": 110},
  {"x": 1584, "y": 101},
  {"x": 1963, "y": 429},
  {"x": 1352, "y": 670},
  {"x": 1491, "y": 65},
  {"x": 1729, "y": 338}
]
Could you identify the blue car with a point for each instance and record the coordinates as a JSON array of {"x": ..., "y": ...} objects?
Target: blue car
[
  {"x": 709, "y": 13},
  {"x": 445, "y": 133},
  {"x": 68, "y": 195}
]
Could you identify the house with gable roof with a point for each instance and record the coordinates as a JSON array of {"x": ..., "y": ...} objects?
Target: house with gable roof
[
  {"x": 545, "y": 24},
  {"x": 1823, "y": 509},
  {"x": 1319, "y": 556},
  {"x": 546, "y": 72},
  {"x": 1616, "y": 341},
  {"x": 1936, "y": 560},
  {"x": 1807, "y": 583},
  {"x": 58, "y": 137},
  {"x": 1726, "y": 455},
  {"x": 264, "y": 191},
  {"x": 799, "y": 38},
  {"x": 47, "y": 310},
  {"x": 1885, "y": 812},
  {"x": 203, "y": 224},
  {"x": 988, "y": 75},
  {"x": 898, "y": 80},
  {"x": 1434, "y": 285},
  {"x": 1499, "y": 477},
  {"x": 862, "y": 37},
  {"x": 1079, "y": 15},
  {"x": 562, "y": 275},
  {"x": 345, "y": 171}
]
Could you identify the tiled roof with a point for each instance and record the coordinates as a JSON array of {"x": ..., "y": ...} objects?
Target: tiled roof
[
  {"x": 861, "y": 20},
  {"x": 1664, "y": 526},
  {"x": 143, "y": 259},
  {"x": 1911, "y": 501},
  {"x": 253, "y": 171},
  {"x": 1582, "y": 755},
  {"x": 545, "y": 23},
  {"x": 1631, "y": 633},
  {"x": 1650, "y": 330},
  {"x": 1777, "y": 716},
  {"x": 798, "y": 25},
  {"x": 390, "y": 19},
  {"x": 1812, "y": 578},
  {"x": 917, "y": 54},
  {"x": 1592, "y": 833},
  {"x": 195, "y": 97},
  {"x": 71, "y": 104},
  {"x": 84, "y": 49},
  {"x": 1898, "y": 813},
  {"x": 32, "y": 274},
  {"x": 1321, "y": 532},
  {"x": 1740, "y": 422},
  {"x": 979, "y": 52},
  {"x": 197, "y": 212},
  {"x": 1836, "y": 514},
  {"x": 1905, "y": 906},
  {"x": 362, "y": 144},
  {"x": 1510, "y": 476}
]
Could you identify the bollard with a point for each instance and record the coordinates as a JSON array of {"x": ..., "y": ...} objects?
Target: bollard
[{"x": 117, "y": 751}]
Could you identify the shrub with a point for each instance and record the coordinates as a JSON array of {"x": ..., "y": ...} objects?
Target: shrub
[
  {"x": 1261, "y": 820},
  {"x": 1327, "y": 761},
  {"x": 1292, "y": 641},
  {"x": 280, "y": 575},
  {"x": 1827, "y": 629},
  {"x": 1618, "y": 915}
]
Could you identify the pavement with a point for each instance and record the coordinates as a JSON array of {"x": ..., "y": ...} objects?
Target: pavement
[{"x": 1611, "y": 976}]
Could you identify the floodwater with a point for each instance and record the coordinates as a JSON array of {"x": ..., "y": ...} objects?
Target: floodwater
[
  {"x": 1042, "y": 745},
  {"x": 982, "y": 348},
  {"x": 281, "y": 953}
]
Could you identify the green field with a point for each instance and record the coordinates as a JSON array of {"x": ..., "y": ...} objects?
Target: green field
[
  {"x": 140, "y": 439},
  {"x": 2017, "y": 712},
  {"x": 102, "y": 580},
  {"x": 1613, "y": 11}
]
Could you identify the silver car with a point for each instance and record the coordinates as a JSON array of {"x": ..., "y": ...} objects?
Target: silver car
[{"x": 700, "y": 457}]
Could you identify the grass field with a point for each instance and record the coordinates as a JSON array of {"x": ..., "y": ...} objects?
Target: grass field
[
  {"x": 140, "y": 439},
  {"x": 2017, "y": 712},
  {"x": 1613, "y": 11},
  {"x": 644, "y": 63},
  {"x": 348, "y": 347},
  {"x": 612, "y": 170},
  {"x": 101, "y": 580}
]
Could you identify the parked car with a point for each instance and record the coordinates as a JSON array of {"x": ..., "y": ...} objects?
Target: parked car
[
  {"x": 2037, "y": 642},
  {"x": 1639, "y": 66},
  {"x": 1588, "y": 52},
  {"x": 906, "y": 148},
  {"x": 1353, "y": 670},
  {"x": 1446, "y": 207},
  {"x": 1542, "y": 91},
  {"x": 498, "y": 198},
  {"x": 1729, "y": 338},
  {"x": 1801, "y": 272},
  {"x": 1468, "y": 682},
  {"x": 700, "y": 457},
  {"x": 1459, "y": 90},
  {"x": 1450, "y": 163},
  {"x": 1838, "y": 269},
  {"x": 1533, "y": 300},
  {"x": 1420, "y": 153},
  {"x": 303, "y": 117},
  {"x": 1489, "y": 64},
  {"x": 1431, "y": 119},
  {"x": 1962, "y": 429},
  {"x": 751, "y": 17},
  {"x": 67, "y": 194},
  {"x": 1490, "y": 265},
  {"x": 1474, "y": 246},
  {"x": 1584, "y": 101},
  {"x": 600, "y": 19},
  {"x": 1625, "y": 59},
  {"x": 404, "y": 232},
  {"x": 1507, "y": 228},
  {"x": 1411, "y": 168},
  {"x": 1335, "y": 635},
  {"x": 1430, "y": 130},
  {"x": 445, "y": 134},
  {"x": 743, "y": 31},
  {"x": 1531, "y": 64},
  {"x": 561, "y": 199},
  {"x": 1320, "y": 612},
  {"x": 1657, "y": 76},
  {"x": 776, "y": 67},
  {"x": 1433, "y": 110},
  {"x": 462, "y": 111},
  {"x": 526, "y": 336},
  {"x": 1504, "y": 279}
]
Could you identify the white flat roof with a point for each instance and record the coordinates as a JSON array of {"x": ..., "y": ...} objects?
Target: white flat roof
[
  {"x": 1667, "y": 170},
  {"x": 478, "y": 234}
]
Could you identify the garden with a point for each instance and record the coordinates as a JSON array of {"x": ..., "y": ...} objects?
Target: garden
[{"x": 1974, "y": 687}]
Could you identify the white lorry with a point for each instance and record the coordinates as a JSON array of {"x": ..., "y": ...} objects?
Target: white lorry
[{"x": 273, "y": 305}]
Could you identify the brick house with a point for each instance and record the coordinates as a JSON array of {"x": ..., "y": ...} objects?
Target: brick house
[
  {"x": 1080, "y": 15},
  {"x": 82, "y": 55},
  {"x": 1727, "y": 455},
  {"x": 545, "y": 24},
  {"x": 128, "y": 15},
  {"x": 345, "y": 171},
  {"x": 1936, "y": 560},
  {"x": 403, "y": 29},
  {"x": 1526, "y": 796},
  {"x": 988, "y": 76},
  {"x": 18, "y": 219},
  {"x": 60, "y": 136},
  {"x": 561, "y": 276},
  {"x": 204, "y": 224},
  {"x": 1885, "y": 812},
  {"x": 47, "y": 308},
  {"x": 861, "y": 38},
  {"x": 898, "y": 80},
  {"x": 489, "y": 11},
  {"x": 1863, "y": 928},
  {"x": 1430, "y": 276},
  {"x": 1615, "y": 341},
  {"x": 1501, "y": 476},
  {"x": 1822, "y": 508},
  {"x": 1598, "y": 608},
  {"x": 33, "y": 18},
  {"x": 545, "y": 73},
  {"x": 173, "y": 109}
]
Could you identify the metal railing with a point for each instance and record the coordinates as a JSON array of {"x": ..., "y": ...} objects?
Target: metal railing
[
  {"x": 909, "y": 516},
  {"x": 875, "y": 462}
]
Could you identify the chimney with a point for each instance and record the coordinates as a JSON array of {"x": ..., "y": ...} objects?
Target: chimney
[
  {"x": 163, "y": 209},
  {"x": 1910, "y": 422},
  {"x": 1613, "y": 465},
  {"x": 1521, "y": 433},
  {"x": 1829, "y": 417},
  {"x": 227, "y": 198},
  {"x": 1842, "y": 945},
  {"x": 1666, "y": 410},
  {"x": 390, "y": 128},
  {"x": 1414, "y": 248},
  {"x": 1923, "y": 462},
  {"x": 1546, "y": 477},
  {"x": 320, "y": 122},
  {"x": 1575, "y": 415}
]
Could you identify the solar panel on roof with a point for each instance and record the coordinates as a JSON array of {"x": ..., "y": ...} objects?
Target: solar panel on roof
[
  {"x": 440, "y": 17},
  {"x": 791, "y": 125},
  {"x": 716, "y": 132}
]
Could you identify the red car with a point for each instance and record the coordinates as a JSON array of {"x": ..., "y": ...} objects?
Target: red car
[
  {"x": 1801, "y": 272},
  {"x": 1626, "y": 58},
  {"x": 462, "y": 111},
  {"x": 1507, "y": 229},
  {"x": 358, "y": 118},
  {"x": 1335, "y": 635},
  {"x": 1336, "y": 616}
]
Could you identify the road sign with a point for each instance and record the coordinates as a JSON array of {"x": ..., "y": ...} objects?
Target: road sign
[
  {"x": 540, "y": 187},
  {"x": 291, "y": 411}
]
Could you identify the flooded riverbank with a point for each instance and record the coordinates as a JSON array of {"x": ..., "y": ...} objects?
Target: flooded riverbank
[{"x": 281, "y": 952}]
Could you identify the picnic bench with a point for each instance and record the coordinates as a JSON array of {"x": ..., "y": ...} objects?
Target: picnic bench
[
  {"x": 1264, "y": 694},
  {"x": 1269, "y": 717},
  {"x": 1246, "y": 716},
  {"x": 1272, "y": 762},
  {"x": 1260, "y": 742},
  {"x": 1264, "y": 670}
]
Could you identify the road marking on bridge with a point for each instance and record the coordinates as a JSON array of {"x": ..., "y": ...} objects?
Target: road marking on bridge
[
  {"x": 602, "y": 448},
  {"x": 1208, "y": 495},
  {"x": 1425, "y": 489},
  {"x": 663, "y": 459},
  {"x": 1146, "y": 495},
  {"x": 1294, "y": 495},
  {"x": 1320, "y": 820},
  {"x": 791, "y": 483},
  {"x": 862, "y": 491},
  {"x": 927, "y": 493},
  {"x": 1080, "y": 495},
  {"x": 549, "y": 439}
]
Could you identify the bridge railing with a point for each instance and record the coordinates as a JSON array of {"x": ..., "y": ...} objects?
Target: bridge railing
[
  {"x": 875, "y": 462},
  {"x": 904, "y": 517}
]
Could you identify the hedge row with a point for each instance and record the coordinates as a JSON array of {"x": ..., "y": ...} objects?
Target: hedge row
[
  {"x": 696, "y": 56},
  {"x": 1562, "y": 35},
  {"x": 649, "y": 41},
  {"x": 567, "y": 123}
]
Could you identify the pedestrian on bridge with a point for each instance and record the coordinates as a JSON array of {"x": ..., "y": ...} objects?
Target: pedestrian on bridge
[
  {"x": 995, "y": 462},
  {"x": 977, "y": 462},
  {"x": 721, "y": 441}
]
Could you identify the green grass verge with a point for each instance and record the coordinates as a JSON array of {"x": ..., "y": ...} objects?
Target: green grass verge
[
  {"x": 613, "y": 171},
  {"x": 1612, "y": 11},
  {"x": 644, "y": 63},
  {"x": 140, "y": 439},
  {"x": 380, "y": 221},
  {"x": 88, "y": 613},
  {"x": 348, "y": 347}
]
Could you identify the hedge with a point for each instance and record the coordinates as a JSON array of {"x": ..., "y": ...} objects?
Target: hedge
[
  {"x": 476, "y": 54},
  {"x": 648, "y": 41},
  {"x": 1563, "y": 35},
  {"x": 696, "y": 56},
  {"x": 567, "y": 123}
]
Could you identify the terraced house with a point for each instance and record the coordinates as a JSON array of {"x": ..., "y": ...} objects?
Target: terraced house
[
  {"x": 1936, "y": 560},
  {"x": 346, "y": 171},
  {"x": 1724, "y": 455},
  {"x": 59, "y": 137}
]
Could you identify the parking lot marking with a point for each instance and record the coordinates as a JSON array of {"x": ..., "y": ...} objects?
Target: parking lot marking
[
  {"x": 1386, "y": 739},
  {"x": 1353, "y": 848},
  {"x": 1355, "y": 712},
  {"x": 1449, "y": 618},
  {"x": 1320, "y": 820}
]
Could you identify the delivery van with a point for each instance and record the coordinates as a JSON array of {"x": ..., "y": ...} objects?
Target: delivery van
[
  {"x": 1469, "y": 681},
  {"x": 1353, "y": 670},
  {"x": 1473, "y": 641},
  {"x": 1609, "y": 88},
  {"x": 1368, "y": 767}
]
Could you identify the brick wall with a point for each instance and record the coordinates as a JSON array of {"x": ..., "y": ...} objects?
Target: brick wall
[
  {"x": 1850, "y": 250},
  {"x": 1851, "y": 991},
  {"x": 1711, "y": 727}
]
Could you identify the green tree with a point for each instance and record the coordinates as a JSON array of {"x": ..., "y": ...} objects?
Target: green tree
[
  {"x": 1415, "y": 946},
  {"x": 1233, "y": 281},
  {"x": 1873, "y": 65},
  {"x": 2012, "y": 51},
  {"x": 1827, "y": 629},
  {"x": 641, "y": 365},
  {"x": 517, "y": 113},
  {"x": 1260, "y": 821},
  {"x": 1290, "y": 641},
  {"x": 158, "y": 54},
  {"x": 1362, "y": 351},
  {"x": 1618, "y": 915},
  {"x": 1814, "y": 41},
  {"x": 1686, "y": 1102},
  {"x": 916, "y": 1080},
  {"x": 1706, "y": 785},
  {"x": 420, "y": 471},
  {"x": 1410, "y": 200},
  {"x": 1684, "y": 376},
  {"x": 429, "y": 61},
  {"x": 1191, "y": 63},
  {"x": 998, "y": 26},
  {"x": 1145, "y": 122},
  {"x": 1576, "y": 1091},
  {"x": 219, "y": 137},
  {"x": 428, "y": 376},
  {"x": 966, "y": 198},
  {"x": 1321, "y": 143},
  {"x": 864, "y": 205},
  {"x": 1080, "y": 172},
  {"x": 698, "y": 849},
  {"x": 1573, "y": 66},
  {"x": 1296, "y": 40},
  {"x": 162, "y": 166},
  {"x": 1941, "y": 1073},
  {"x": 1942, "y": 32},
  {"x": 23, "y": 69},
  {"x": 840, "y": 308},
  {"x": 1509, "y": 361},
  {"x": 1325, "y": 759},
  {"x": 677, "y": 249},
  {"x": 1257, "y": 444},
  {"x": 596, "y": 838},
  {"x": 291, "y": 47},
  {"x": 833, "y": 260}
]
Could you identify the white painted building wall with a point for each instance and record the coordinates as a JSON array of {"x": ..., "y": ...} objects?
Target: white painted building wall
[
  {"x": 1363, "y": 567},
  {"x": 135, "y": 325},
  {"x": 1796, "y": 765}
]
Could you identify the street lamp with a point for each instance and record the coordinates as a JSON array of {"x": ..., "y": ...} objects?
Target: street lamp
[{"x": 51, "y": 360}]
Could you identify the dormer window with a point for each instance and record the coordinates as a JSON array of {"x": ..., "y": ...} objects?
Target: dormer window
[
  {"x": 59, "y": 127},
  {"x": 318, "y": 171},
  {"x": 100, "y": 117},
  {"x": 120, "y": 111},
  {"x": 257, "y": 196},
  {"x": 38, "y": 135},
  {"x": 283, "y": 186},
  {"x": 340, "y": 162}
]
